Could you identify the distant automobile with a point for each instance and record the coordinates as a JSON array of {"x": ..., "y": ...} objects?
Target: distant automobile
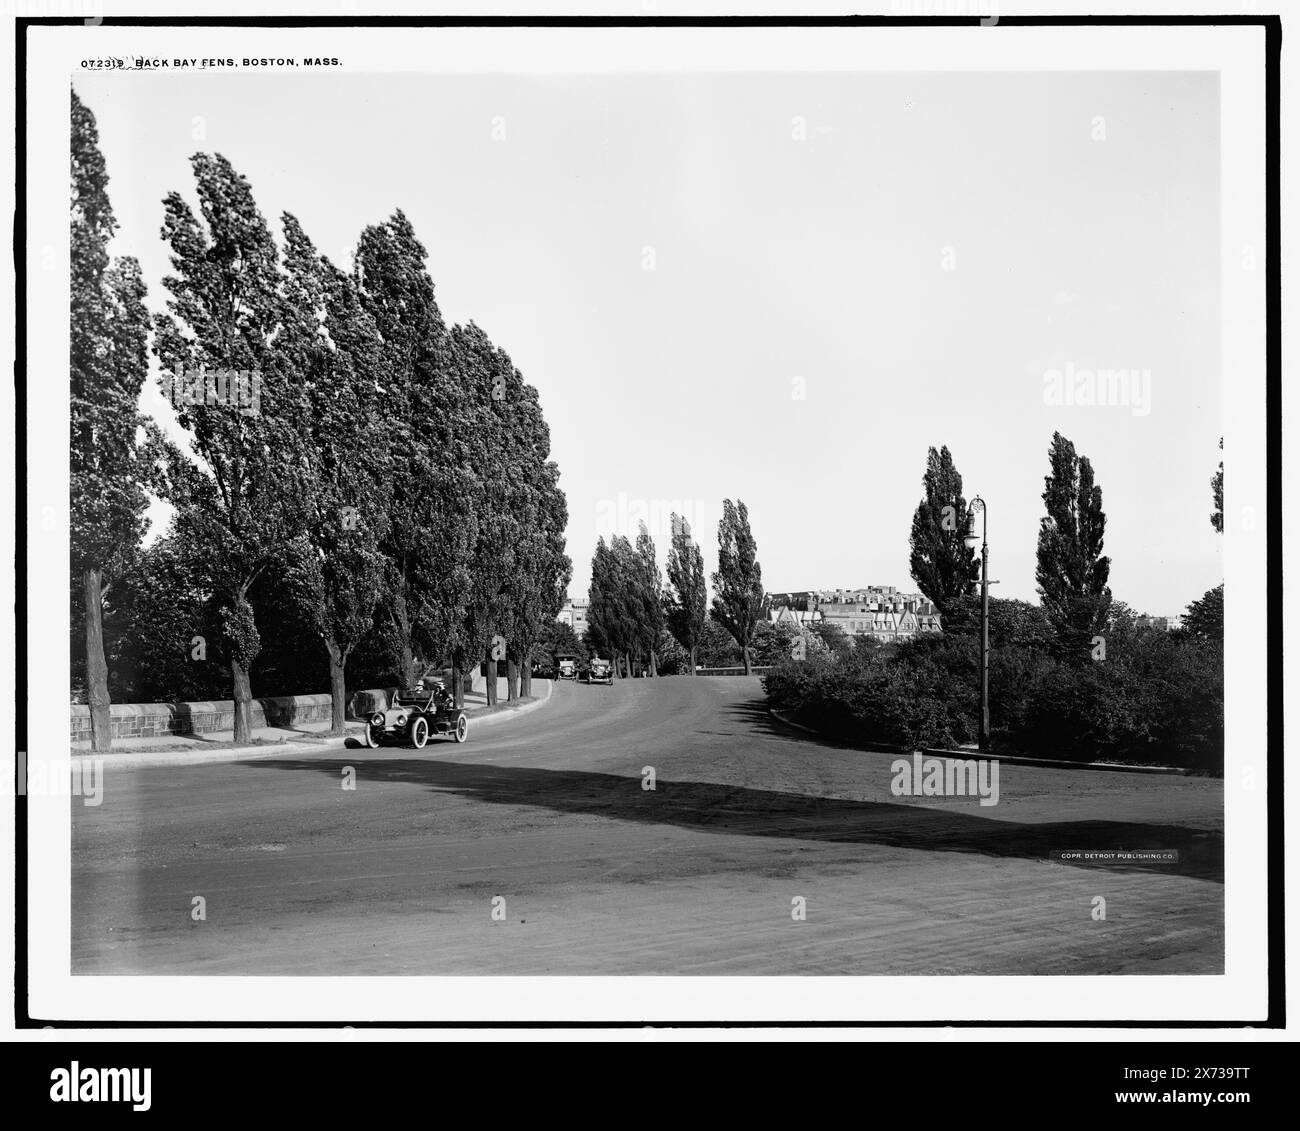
[
  {"x": 567, "y": 668},
  {"x": 600, "y": 671},
  {"x": 412, "y": 716}
]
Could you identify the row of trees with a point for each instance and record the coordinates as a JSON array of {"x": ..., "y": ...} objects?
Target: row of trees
[
  {"x": 388, "y": 480},
  {"x": 1076, "y": 676},
  {"x": 630, "y": 607},
  {"x": 1072, "y": 572}
]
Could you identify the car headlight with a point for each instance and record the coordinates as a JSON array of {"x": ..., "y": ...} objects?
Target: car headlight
[
  {"x": 377, "y": 719},
  {"x": 400, "y": 721}
]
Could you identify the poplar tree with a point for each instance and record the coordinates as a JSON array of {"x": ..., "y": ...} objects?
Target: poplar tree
[
  {"x": 499, "y": 500},
  {"x": 609, "y": 624},
  {"x": 649, "y": 599},
  {"x": 241, "y": 489},
  {"x": 686, "y": 598},
  {"x": 108, "y": 361},
  {"x": 942, "y": 567},
  {"x": 335, "y": 569},
  {"x": 738, "y": 600},
  {"x": 433, "y": 523},
  {"x": 1072, "y": 571}
]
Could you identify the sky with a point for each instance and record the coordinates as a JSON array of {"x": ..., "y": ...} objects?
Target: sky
[{"x": 777, "y": 288}]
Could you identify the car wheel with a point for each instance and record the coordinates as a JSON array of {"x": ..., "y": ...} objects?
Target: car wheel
[
  {"x": 461, "y": 729},
  {"x": 420, "y": 732},
  {"x": 368, "y": 736}
]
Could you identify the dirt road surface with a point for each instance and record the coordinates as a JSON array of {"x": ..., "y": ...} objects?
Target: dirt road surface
[{"x": 596, "y": 874}]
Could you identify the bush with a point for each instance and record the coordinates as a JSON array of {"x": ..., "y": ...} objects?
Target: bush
[{"x": 1157, "y": 697}]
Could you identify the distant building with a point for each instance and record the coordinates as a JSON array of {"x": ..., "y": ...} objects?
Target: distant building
[
  {"x": 880, "y": 612},
  {"x": 800, "y": 600},
  {"x": 800, "y": 618},
  {"x": 574, "y": 614},
  {"x": 1164, "y": 624}
]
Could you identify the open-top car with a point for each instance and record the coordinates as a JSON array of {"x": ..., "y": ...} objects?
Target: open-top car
[
  {"x": 412, "y": 716},
  {"x": 600, "y": 671}
]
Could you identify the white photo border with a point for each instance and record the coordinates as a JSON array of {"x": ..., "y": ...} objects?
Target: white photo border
[{"x": 1236, "y": 52}]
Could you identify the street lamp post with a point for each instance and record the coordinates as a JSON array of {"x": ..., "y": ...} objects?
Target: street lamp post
[{"x": 972, "y": 540}]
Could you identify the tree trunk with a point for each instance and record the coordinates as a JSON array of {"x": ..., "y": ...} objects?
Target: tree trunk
[
  {"x": 338, "y": 688},
  {"x": 525, "y": 680},
  {"x": 490, "y": 681},
  {"x": 512, "y": 679},
  {"x": 101, "y": 714},
  {"x": 243, "y": 704},
  {"x": 749, "y": 666},
  {"x": 406, "y": 658},
  {"x": 654, "y": 665},
  {"x": 457, "y": 682},
  {"x": 694, "y": 650}
]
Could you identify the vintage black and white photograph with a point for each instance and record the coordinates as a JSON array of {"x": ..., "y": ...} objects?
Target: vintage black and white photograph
[{"x": 682, "y": 520}]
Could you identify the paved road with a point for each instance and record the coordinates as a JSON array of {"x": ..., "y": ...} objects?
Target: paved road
[{"x": 602, "y": 876}]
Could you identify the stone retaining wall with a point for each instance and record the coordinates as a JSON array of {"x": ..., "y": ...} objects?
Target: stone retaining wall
[{"x": 144, "y": 720}]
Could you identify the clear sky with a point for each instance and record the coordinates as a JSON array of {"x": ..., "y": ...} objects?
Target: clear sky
[{"x": 931, "y": 247}]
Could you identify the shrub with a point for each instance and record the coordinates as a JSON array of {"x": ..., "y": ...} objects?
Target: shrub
[{"x": 1157, "y": 697}]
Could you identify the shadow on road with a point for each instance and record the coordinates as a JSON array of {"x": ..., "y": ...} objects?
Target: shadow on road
[{"x": 743, "y": 811}]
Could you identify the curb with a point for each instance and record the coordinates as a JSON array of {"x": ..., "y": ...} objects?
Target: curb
[
  {"x": 515, "y": 712},
  {"x": 148, "y": 760},
  {"x": 1010, "y": 759}
]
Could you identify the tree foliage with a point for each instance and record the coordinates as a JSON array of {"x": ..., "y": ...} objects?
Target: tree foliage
[
  {"x": 1072, "y": 571},
  {"x": 650, "y": 590},
  {"x": 942, "y": 566},
  {"x": 738, "y": 600},
  {"x": 108, "y": 356},
  {"x": 357, "y": 476},
  {"x": 1204, "y": 617},
  {"x": 686, "y": 597},
  {"x": 242, "y": 489}
]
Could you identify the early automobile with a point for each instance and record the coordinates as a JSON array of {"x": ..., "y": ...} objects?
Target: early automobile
[
  {"x": 566, "y": 667},
  {"x": 600, "y": 671},
  {"x": 412, "y": 716}
]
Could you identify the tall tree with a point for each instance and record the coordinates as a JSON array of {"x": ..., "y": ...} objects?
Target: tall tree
[
  {"x": 1216, "y": 485},
  {"x": 942, "y": 567},
  {"x": 336, "y": 568},
  {"x": 686, "y": 599},
  {"x": 738, "y": 600},
  {"x": 1072, "y": 571},
  {"x": 243, "y": 493},
  {"x": 109, "y": 330},
  {"x": 501, "y": 499},
  {"x": 613, "y": 597},
  {"x": 542, "y": 578},
  {"x": 650, "y": 596},
  {"x": 430, "y": 418},
  {"x": 534, "y": 591}
]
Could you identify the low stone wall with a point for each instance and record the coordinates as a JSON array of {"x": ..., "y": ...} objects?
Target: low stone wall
[
  {"x": 738, "y": 670},
  {"x": 145, "y": 720}
]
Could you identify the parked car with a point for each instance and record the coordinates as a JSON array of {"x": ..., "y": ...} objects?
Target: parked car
[
  {"x": 566, "y": 667},
  {"x": 412, "y": 716},
  {"x": 600, "y": 671}
]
